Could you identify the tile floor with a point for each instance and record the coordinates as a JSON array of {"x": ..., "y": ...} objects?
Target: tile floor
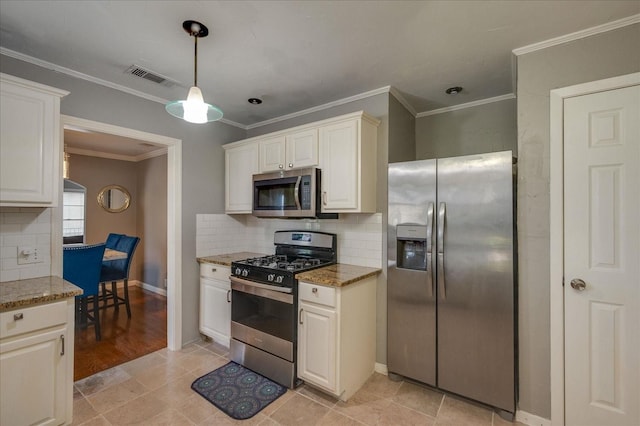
[{"x": 156, "y": 390}]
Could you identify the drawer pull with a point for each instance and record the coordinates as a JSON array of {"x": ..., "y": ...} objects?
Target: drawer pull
[
  {"x": 300, "y": 316},
  {"x": 314, "y": 290},
  {"x": 213, "y": 269},
  {"x": 229, "y": 296},
  {"x": 18, "y": 317},
  {"x": 62, "y": 340}
]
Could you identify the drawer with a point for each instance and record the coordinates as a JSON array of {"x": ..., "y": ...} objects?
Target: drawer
[
  {"x": 26, "y": 320},
  {"x": 212, "y": 270},
  {"x": 317, "y": 294}
]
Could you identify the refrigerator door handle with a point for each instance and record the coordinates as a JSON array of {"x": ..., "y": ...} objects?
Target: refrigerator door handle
[
  {"x": 430, "y": 268},
  {"x": 441, "y": 223}
]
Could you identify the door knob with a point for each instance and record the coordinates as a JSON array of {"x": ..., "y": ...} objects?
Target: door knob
[{"x": 578, "y": 284}]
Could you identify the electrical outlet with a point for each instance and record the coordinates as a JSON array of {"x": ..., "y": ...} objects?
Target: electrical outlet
[{"x": 28, "y": 255}]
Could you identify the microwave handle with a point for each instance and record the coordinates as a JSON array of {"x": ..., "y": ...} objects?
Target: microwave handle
[{"x": 296, "y": 192}]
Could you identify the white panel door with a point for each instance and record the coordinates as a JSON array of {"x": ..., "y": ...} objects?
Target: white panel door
[
  {"x": 602, "y": 258},
  {"x": 215, "y": 310},
  {"x": 340, "y": 166}
]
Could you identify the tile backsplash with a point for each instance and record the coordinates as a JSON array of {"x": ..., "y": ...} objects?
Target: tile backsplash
[
  {"x": 359, "y": 235},
  {"x": 24, "y": 227}
]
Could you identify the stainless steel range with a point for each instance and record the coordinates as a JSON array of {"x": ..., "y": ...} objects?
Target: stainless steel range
[{"x": 264, "y": 302}]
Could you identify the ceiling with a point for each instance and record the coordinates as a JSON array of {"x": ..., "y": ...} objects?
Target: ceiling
[{"x": 296, "y": 55}]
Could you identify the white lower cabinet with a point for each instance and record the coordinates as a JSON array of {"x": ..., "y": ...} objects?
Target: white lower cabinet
[
  {"x": 337, "y": 336},
  {"x": 36, "y": 364},
  {"x": 215, "y": 302}
]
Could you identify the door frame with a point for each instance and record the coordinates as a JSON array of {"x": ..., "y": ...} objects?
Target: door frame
[
  {"x": 556, "y": 227},
  {"x": 174, "y": 216}
]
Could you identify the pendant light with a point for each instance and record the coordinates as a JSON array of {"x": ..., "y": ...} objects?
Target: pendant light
[{"x": 194, "y": 109}]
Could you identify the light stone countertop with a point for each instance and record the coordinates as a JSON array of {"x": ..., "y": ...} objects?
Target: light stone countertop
[
  {"x": 338, "y": 275},
  {"x": 227, "y": 258},
  {"x": 22, "y": 293}
]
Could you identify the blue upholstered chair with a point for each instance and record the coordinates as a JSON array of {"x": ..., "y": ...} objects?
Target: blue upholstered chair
[
  {"x": 112, "y": 240},
  {"x": 81, "y": 266},
  {"x": 118, "y": 270}
]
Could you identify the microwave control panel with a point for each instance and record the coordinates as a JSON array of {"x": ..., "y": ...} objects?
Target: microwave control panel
[{"x": 305, "y": 192}]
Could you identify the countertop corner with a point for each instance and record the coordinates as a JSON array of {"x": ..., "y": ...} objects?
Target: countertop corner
[
  {"x": 338, "y": 275},
  {"x": 226, "y": 258},
  {"x": 22, "y": 293}
]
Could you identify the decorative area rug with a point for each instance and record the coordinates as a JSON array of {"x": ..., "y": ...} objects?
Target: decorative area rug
[{"x": 237, "y": 391}]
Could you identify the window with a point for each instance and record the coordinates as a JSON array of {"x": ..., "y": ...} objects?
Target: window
[{"x": 73, "y": 213}]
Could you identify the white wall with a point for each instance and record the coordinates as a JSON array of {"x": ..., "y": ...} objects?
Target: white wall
[
  {"x": 359, "y": 235},
  {"x": 20, "y": 227}
]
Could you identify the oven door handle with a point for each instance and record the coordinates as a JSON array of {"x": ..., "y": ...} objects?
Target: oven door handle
[{"x": 281, "y": 294}]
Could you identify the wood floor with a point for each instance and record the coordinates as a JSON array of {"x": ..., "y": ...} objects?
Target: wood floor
[{"x": 123, "y": 339}]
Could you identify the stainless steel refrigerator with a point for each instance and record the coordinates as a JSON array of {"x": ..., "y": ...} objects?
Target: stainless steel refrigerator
[{"x": 451, "y": 274}]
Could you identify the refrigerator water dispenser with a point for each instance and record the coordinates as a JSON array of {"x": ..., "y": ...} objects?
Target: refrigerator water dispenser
[{"x": 412, "y": 246}]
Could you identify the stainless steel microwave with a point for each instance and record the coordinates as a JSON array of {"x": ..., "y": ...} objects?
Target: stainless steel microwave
[{"x": 291, "y": 193}]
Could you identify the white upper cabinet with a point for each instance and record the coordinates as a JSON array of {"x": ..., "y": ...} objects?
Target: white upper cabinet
[
  {"x": 241, "y": 163},
  {"x": 30, "y": 134},
  {"x": 289, "y": 151},
  {"x": 348, "y": 161},
  {"x": 343, "y": 147}
]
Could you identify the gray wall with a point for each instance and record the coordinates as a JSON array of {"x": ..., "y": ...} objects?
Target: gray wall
[
  {"x": 476, "y": 130},
  {"x": 593, "y": 58},
  {"x": 402, "y": 133},
  {"x": 95, "y": 173},
  {"x": 151, "y": 220},
  {"x": 202, "y": 157}
]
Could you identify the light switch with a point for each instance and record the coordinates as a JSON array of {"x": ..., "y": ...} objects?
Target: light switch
[{"x": 28, "y": 255}]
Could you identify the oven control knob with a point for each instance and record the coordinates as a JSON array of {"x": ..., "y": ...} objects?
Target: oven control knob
[
  {"x": 271, "y": 277},
  {"x": 238, "y": 271},
  {"x": 279, "y": 279}
]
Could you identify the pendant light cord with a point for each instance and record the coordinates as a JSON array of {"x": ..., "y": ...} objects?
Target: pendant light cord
[{"x": 195, "y": 62}]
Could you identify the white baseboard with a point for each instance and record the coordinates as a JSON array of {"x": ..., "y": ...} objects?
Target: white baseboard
[
  {"x": 149, "y": 287},
  {"x": 381, "y": 368},
  {"x": 531, "y": 419}
]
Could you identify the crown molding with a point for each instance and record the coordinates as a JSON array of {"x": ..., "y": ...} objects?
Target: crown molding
[
  {"x": 82, "y": 76},
  {"x": 343, "y": 101},
  {"x": 119, "y": 157},
  {"x": 629, "y": 20},
  {"x": 467, "y": 105},
  {"x": 396, "y": 94}
]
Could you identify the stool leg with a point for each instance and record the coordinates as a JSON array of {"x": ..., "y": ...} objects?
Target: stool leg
[
  {"x": 126, "y": 297},
  {"x": 96, "y": 316},
  {"x": 114, "y": 291}
]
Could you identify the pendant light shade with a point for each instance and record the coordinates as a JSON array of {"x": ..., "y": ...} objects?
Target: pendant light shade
[{"x": 194, "y": 109}]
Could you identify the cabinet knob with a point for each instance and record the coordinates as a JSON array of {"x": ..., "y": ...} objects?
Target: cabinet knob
[
  {"x": 280, "y": 166},
  {"x": 314, "y": 290},
  {"x": 18, "y": 317},
  {"x": 213, "y": 269},
  {"x": 290, "y": 164}
]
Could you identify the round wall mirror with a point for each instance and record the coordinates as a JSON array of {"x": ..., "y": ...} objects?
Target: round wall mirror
[{"x": 114, "y": 198}]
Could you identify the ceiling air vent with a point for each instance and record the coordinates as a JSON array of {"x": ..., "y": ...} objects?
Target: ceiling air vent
[{"x": 138, "y": 71}]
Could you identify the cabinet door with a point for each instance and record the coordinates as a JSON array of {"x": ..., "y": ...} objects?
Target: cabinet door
[
  {"x": 340, "y": 164},
  {"x": 215, "y": 310},
  {"x": 317, "y": 345},
  {"x": 241, "y": 163},
  {"x": 32, "y": 389},
  {"x": 302, "y": 149},
  {"x": 29, "y": 146},
  {"x": 272, "y": 154}
]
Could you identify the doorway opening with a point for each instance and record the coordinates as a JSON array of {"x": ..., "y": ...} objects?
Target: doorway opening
[{"x": 173, "y": 149}]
